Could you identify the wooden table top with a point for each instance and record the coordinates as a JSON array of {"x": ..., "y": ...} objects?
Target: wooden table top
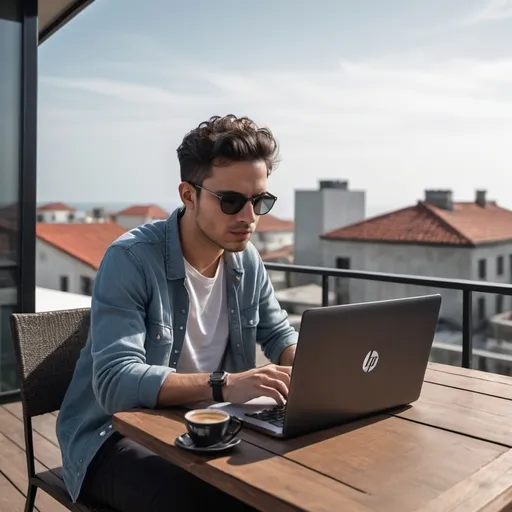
[{"x": 451, "y": 451}]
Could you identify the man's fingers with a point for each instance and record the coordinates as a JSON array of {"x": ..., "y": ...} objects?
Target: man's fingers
[
  {"x": 272, "y": 393},
  {"x": 276, "y": 384}
]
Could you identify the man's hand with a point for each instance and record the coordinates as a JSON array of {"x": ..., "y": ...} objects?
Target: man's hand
[{"x": 270, "y": 381}]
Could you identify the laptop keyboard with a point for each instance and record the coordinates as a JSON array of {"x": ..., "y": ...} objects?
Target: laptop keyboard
[{"x": 274, "y": 415}]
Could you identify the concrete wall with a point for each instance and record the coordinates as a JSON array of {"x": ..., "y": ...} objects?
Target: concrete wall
[
  {"x": 58, "y": 216},
  {"x": 51, "y": 264},
  {"x": 490, "y": 254},
  {"x": 271, "y": 240},
  {"x": 318, "y": 211},
  {"x": 131, "y": 221},
  {"x": 456, "y": 263}
]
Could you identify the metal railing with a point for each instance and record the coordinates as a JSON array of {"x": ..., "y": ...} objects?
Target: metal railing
[{"x": 467, "y": 288}]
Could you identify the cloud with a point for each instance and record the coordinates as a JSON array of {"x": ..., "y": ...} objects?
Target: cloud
[
  {"x": 491, "y": 10},
  {"x": 124, "y": 91},
  {"x": 446, "y": 123}
]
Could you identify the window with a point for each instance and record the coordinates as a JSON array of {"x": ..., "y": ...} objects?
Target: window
[
  {"x": 499, "y": 265},
  {"x": 64, "y": 283},
  {"x": 482, "y": 270},
  {"x": 71, "y": 216},
  {"x": 343, "y": 263},
  {"x": 40, "y": 217},
  {"x": 499, "y": 304},
  {"x": 86, "y": 285},
  {"x": 11, "y": 101},
  {"x": 481, "y": 308}
]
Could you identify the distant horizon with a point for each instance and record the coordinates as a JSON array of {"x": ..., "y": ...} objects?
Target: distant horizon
[{"x": 115, "y": 206}]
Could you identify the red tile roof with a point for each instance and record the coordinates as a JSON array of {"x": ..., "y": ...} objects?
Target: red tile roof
[
  {"x": 56, "y": 207},
  {"x": 270, "y": 223},
  {"x": 85, "y": 242},
  {"x": 285, "y": 252},
  {"x": 467, "y": 224},
  {"x": 145, "y": 210}
]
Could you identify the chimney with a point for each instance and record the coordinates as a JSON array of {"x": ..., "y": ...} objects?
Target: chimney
[
  {"x": 480, "y": 199},
  {"x": 333, "y": 184},
  {"x": 440, "y": 198}
]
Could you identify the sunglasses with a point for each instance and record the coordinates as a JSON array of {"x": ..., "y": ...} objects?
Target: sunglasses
[{"x": 232, "y": 202}]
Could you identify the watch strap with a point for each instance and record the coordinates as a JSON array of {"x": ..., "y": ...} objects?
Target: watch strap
[
  {"x": 217, "y": 381},
  {"x": 217, "y": 392}
]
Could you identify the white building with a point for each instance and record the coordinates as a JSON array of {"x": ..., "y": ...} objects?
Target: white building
[
  {"x": 68, "y": 255},
  {"x": 331, "y": 206},
  {"x": 136, "y": 215},
  {"x": 272, "y": 234},
  {"x": 436, "y": 237},
  {"x": 56, "y": 213}
]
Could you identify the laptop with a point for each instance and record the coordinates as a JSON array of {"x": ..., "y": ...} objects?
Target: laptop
[{"x": 351, "y": 361}]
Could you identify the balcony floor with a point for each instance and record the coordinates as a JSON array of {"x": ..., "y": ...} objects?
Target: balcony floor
[{"x": 13, "y": 467}]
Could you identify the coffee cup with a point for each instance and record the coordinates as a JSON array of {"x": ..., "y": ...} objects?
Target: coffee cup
[{"x": 207, "y": 427}]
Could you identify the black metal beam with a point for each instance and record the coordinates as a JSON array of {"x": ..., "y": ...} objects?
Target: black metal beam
[
  {"x": 467, "y": 329},
  {"x": 434, "y": 282},
  {"x": 325, "y": 290},
  {"x": 28, "y": 159}
]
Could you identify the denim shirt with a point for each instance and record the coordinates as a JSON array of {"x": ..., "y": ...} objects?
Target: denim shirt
[{"x": 139, "y": 314}]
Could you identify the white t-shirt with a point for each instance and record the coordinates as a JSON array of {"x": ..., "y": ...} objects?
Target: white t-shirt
[{"x": 207, "y": 323}]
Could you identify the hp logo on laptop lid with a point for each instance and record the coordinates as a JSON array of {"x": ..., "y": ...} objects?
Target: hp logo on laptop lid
[{"x": 370, "y": 361}]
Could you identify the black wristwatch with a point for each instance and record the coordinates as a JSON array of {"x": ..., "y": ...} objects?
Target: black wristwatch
[{"x": 217, "y": 381}]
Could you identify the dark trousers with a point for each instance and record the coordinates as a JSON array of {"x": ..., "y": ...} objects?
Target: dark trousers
[{"x": 129, "y": 478}]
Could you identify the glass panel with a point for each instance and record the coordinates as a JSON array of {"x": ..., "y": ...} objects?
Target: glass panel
[{"x": 10, "y": 86}]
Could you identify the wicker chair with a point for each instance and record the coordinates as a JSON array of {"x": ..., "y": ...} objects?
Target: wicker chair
[{"x": 47, "y": 347}]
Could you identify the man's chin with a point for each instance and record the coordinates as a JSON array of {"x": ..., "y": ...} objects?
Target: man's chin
[{"x": 236, "y": 246}]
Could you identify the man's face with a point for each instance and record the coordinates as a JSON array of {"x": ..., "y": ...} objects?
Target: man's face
[{"x": 230, "y": 232}]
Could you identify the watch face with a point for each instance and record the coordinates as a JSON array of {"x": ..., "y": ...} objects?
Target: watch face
[{"x": 217, "y": 377}]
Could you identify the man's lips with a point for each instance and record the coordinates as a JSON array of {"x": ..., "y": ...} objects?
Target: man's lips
[{"x": 242, "y": 233}]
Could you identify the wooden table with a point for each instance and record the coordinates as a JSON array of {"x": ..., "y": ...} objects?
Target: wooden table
[{"x": 451, "y": 452}]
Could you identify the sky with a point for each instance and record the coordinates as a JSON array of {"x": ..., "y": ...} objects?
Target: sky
[{"x": 396, "y": 97}]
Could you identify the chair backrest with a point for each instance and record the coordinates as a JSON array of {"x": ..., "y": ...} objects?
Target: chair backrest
[{"x": 47, "y": 348}]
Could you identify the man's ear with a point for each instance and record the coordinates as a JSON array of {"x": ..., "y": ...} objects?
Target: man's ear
[{"x": 188, "y": 195}]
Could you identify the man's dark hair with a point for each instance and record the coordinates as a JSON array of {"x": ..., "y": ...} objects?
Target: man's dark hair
[{"x": 222, "y": 140}]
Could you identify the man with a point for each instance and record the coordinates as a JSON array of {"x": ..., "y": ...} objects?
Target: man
[{"x": 176, "y": 304}]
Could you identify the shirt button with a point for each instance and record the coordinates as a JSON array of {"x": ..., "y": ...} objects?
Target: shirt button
[
  {"x": 110, "y": 426},
  {"x": 102, "y": 433},
  {"x": 181, "y": 327},
  {"x": 80, "y": 461},
  {"x": 183, "y": 311},
  {"x": 232, "y": 311},
  {"x": 251, "y": 322},
  {"x": 176, "y": 351},
  {"x": 158, "y": 336}
]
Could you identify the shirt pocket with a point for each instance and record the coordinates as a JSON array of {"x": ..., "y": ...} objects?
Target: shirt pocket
[
  {"x": 250, "y": 319},
  {"x": 159, "y": 341}
]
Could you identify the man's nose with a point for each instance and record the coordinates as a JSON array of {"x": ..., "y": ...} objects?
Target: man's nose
[{"x": 247, "y": 214}]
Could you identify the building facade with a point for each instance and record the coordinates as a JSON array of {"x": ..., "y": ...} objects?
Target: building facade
[
  {"x": 331, "y": 206},
  {"x": 438, "y": 238}
]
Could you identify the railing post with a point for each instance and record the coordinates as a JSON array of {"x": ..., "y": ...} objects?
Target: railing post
[
  {"x": 325, "y": 290},
  {"x": 467, "y": 329}
]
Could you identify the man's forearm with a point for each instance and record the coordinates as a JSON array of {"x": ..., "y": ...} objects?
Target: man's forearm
[
  {"x": 287, "y": 356},
  {"x": 184, "y": 388}
]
